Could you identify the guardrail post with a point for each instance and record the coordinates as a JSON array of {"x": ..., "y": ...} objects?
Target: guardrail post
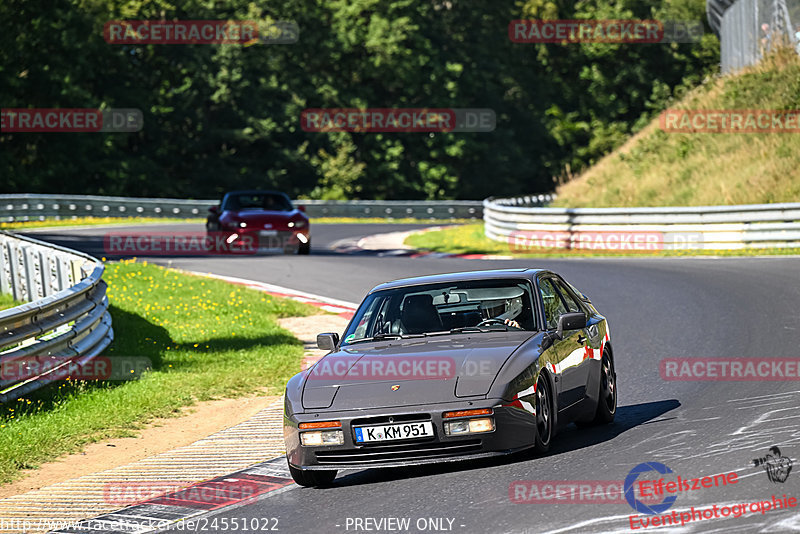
[
  {"x": 45, "y": 273},
  {"x": 62, "y": 272},
  {"x": 5, "y": 263},
  {"x": 13, "y": 267},
  {"x": 30, "y": 274},
  {"x": 77, "y": 270}
]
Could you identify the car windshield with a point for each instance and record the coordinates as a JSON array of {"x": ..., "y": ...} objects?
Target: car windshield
[
  {"x": 460, "y": 307},
  {"x": 257, "y": 201}
]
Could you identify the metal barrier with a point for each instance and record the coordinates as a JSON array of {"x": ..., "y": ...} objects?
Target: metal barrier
[
  {"x": 25, "y": 207},
  {"x": 677, "y": 228},
  {"x": 65, "y": 321},
  {"x": 750, "y": 28}
]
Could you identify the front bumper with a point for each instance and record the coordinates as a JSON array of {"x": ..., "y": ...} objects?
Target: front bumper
[
  {"x": 514, "y": 430},
  {"x": 252, "y": 240}
]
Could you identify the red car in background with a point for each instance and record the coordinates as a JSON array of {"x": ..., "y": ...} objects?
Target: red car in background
[{"x": 268, "y": 218}]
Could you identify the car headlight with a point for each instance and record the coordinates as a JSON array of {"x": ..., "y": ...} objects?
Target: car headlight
[
  {"x": 297, "y": 224},
  {"x": 469, "y": 426},
  {"x": 322, "y": 437},
  {"x": 466, "y": 425}
]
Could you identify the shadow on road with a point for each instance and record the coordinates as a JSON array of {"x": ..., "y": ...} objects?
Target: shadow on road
[{"x": 569, "y": 439}]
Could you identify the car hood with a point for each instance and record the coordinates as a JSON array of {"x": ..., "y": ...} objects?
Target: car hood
[{"x": 408, "y": 372}]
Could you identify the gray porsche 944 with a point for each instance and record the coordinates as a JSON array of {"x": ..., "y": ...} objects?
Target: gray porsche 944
[{"x": 451, "y": 367}]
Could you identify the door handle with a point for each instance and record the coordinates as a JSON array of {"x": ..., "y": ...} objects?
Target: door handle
[{"x": 581, "y": 340}]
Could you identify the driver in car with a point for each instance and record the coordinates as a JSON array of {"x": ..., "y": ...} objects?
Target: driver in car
[{"x": 512, "y": 309}]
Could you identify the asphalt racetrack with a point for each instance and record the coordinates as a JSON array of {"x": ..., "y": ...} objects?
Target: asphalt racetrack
[{"x": 657, "y": 308}]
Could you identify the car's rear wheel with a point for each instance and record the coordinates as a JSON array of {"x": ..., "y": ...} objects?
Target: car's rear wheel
[
  {"x": 544, "y": 415},
  {"x": 607, "y": 396},
  {"x": 305, "y": 248},
  {"x": 312, "y": 479}
]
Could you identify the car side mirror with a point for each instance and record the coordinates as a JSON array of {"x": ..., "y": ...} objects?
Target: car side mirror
[
  {"x": 214, "y": 210},
  {"x": 570, "y": 321},
  {"x": 301, "y": 208},
  {"x": 327, "y": 341}
]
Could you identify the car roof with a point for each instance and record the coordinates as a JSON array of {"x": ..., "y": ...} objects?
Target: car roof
[
  {"x": 460, "y": 276},
  {"x": 256, "y": 192}
]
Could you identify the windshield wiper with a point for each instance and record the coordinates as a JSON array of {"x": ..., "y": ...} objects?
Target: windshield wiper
[
  {"x": 469, "y": 329},
  {"x": 385, "y": 335}
]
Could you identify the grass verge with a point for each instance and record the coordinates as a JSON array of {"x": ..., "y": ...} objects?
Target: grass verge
[
  {"x": 470, "y": 239},
  {"x": 94, "y": 221},
  {"x": 206, "y": 339},
  {"x": 7, "y": 301},
  {"x": 655, "y": 168}
]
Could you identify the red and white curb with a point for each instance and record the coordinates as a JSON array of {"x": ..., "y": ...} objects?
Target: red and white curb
[
  {"x": 393, "y": 244},
  {"x": 186, "y": 508}
]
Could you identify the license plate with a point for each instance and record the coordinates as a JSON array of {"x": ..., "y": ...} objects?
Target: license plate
[
  {"x": 391, "y": 432},
  {"x": 268, "y": 233}
]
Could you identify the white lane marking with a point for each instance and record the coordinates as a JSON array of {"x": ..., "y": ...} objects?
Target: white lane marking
[
  {"x": 763, "y": 418},
  {"x": 771, "y": 395},
  {"x": 279, "y": 289}
]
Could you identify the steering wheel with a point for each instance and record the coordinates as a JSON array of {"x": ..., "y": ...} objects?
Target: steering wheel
[{"x": 494, "y": 320}]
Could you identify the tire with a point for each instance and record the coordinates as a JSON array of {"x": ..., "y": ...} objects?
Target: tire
[
  {"x": 312, "y": 479},
  {"x": 544, "y": 415},
  {"x": 304, "y": 248},
  {"x": 607, "y": 396}
]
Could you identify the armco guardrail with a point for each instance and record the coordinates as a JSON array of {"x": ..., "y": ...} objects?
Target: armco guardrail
[
  {"x": 27, "y": 207},
  {"x": 679, "y": 228},
  {"x": 65, "y": 320}
]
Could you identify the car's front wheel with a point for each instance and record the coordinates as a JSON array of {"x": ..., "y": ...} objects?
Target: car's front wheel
[
  {"x": 607, "y": 396},
  {"x": 305, "y": 248},
  {"x": 312, "y": 479},
  {"x": 607, "y": 407},
  {"x": 544, "y": 415}
]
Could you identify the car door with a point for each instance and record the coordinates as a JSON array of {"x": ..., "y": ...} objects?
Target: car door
[
  {"x": 584, "y": 338},
  {"x": 569, "y": 350}
]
